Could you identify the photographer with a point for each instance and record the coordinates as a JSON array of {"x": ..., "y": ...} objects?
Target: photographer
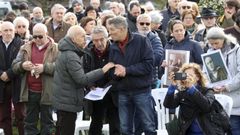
[{"x": 194, "y": 100}]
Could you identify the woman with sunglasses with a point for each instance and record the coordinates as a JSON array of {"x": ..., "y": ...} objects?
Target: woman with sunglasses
[{"x": 21, "y": 26}]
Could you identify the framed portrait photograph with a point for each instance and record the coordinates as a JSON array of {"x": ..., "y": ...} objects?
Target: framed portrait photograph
[
  {"x": 175, "y": 59},
  {"x": 215, "y": 67}
]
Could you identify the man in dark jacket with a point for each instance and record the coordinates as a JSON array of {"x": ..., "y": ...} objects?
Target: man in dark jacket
[
  {"x": 144, "y": 28},
  {"x": 134, "y": 10},
  {"x": 133, "y": 57},
  {"x": 9, "y": 81},
  {"x": 169, "y": 13},
  {"x": 99, "y": 51},
  {"x": 70, "y": 79}
]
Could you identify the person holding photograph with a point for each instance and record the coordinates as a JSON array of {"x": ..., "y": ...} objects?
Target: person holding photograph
[
  {"x": 231, "y": 54},
  {"x": 216, "y": 73},
  {"x": 182, "y": 41},
  {"x": 195, "y": 102}
]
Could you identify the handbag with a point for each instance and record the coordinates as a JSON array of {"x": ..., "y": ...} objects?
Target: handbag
[{"x": 172, "y": 126}]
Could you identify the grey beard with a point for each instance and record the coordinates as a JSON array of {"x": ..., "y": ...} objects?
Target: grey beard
[{"x": 144, "y": 32}]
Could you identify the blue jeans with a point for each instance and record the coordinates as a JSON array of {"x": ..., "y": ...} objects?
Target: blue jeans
[
  {"x": 142, "y": 104},
  {"x": 33, "y": 109},
  {"x": 235, "y": 124}
]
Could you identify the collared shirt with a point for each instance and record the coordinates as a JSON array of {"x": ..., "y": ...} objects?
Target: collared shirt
[{"x": 7, "y": 44}]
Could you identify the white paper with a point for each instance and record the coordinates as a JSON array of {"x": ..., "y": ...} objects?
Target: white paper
[{"x": 97, "y": 93}]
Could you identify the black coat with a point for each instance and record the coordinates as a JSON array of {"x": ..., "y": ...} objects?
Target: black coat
[
  {"x": 5, "y": 66},
  {"x": 196, "y": 106}
]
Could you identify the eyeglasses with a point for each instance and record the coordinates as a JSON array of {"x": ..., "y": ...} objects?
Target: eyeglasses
[
  {"x": 184, "y": 7},
  {"x": 37, "y": 36},
  {"x": 21, "y": 26},
  {"x": 142, "y": 23}
]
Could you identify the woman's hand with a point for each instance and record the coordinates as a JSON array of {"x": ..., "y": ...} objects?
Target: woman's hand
[
  {"x": 189, "y": 82},
  {"x": 219, "y": 89},
  {"x": 171, "y": 78}
]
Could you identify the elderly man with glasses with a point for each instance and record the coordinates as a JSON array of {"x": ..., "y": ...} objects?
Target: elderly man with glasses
[
  {"x": 36, "y": 62},
  {"x": 144, "y": 28}
]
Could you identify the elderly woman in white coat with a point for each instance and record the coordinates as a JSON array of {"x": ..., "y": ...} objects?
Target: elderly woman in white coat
[{"x": 231, "y": 53}]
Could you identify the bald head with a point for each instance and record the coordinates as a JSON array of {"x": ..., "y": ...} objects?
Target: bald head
[
  {"x": 77, "y": 34},
  {"x": 40, "y": 34},
  {"x": 37, "y": 13}
]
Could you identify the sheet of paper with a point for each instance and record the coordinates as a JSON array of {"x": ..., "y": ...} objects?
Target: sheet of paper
[{"x": 97, "y": 93}]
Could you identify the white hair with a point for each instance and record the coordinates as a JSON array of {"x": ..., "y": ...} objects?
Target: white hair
[
  {"x": 21, "y": 19},
  {"x": 40, "y": 26},
  {"x": 156, "y": 17},
  {"x": 57, "y": 6}
]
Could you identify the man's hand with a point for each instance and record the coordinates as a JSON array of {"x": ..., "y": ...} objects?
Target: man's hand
[
  {"x": 4, "y": 77},
  {"x": 120, "y": 71},
  {"x": 38, "y": 68},
  {"x": 27, "y": 65},
  {"x": 107, "y": 67}
]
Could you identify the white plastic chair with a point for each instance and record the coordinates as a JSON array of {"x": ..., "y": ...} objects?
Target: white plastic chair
[
  {"x": 83, "y": 125},
  {"x": 163, "y": 113},
  {"x": 1, "y": 131},
  {"x": 225, "y": 101}
]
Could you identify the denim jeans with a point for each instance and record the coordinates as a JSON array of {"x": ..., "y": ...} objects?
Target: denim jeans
[
  {"x": 129, "y": 103},
  {"x": 235, "y": 124},
  {"x": 33, "y": 109}
]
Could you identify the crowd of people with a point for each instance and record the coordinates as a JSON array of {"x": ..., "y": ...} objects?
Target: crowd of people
[{"x": 49, "y": 63}]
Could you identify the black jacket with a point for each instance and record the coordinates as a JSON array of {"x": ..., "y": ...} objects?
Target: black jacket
[
  {"x": 5, "y": 66},
  {"x": 196, "y": 106}
]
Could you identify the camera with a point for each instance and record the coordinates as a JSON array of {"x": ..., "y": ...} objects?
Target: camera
[{"x": 180, "y": 76}]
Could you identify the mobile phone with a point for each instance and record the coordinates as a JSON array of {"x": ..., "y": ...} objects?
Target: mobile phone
[{"x": 180, "y": 76}]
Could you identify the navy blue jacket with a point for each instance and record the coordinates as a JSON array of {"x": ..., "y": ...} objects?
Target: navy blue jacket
[
  {"x": 138, "y": 60},
  {"x": 188, "y": 45}
]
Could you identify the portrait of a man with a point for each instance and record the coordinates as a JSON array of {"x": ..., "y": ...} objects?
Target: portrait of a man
[
  {"x": 215, "y": 67},
  {"x": 216, "y": 72}
]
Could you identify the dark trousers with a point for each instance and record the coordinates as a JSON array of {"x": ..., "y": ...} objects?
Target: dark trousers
[
  {"x": 34, "y": 108},
  {"x": 105, "y": 109},
  {"x": 65, "y": 122},
  {"x": 6, "y": 113}
]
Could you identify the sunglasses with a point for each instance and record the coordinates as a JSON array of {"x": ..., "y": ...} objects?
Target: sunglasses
[
  {"x": 37, "y": 36},
  {"x": 21, "y": 26},
  {"x": 184, "y": 7},
  {"x": 142, "y": 23}
]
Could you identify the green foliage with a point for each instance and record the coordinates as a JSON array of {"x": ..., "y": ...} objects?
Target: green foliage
[{"x": 217, "y": 5}]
